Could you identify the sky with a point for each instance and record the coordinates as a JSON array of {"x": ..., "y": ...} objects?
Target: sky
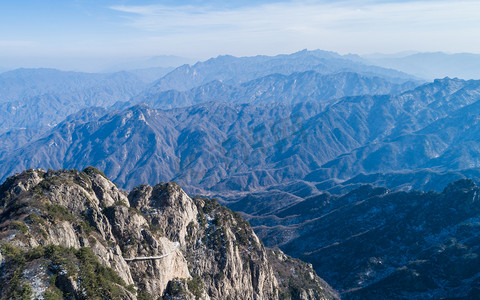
[{"x": 93, "y": 34}]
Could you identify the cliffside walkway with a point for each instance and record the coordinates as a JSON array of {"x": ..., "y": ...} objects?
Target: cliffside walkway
[{"x": 177, "y": 245}]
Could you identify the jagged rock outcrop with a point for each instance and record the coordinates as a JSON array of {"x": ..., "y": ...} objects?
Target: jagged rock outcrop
[{"x": 74, "y": 234}]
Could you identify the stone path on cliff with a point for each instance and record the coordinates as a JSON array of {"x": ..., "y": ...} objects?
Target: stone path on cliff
[{"x": 177, "y": 245}]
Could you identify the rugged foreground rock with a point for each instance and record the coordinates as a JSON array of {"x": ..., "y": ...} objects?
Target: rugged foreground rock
[{"x": 73, "y": 234}]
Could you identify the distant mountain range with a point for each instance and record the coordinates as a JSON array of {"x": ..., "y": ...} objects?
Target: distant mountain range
[
  {"x": 38, "y": 99},
  {"x": 431, "y": 65},
  {"x": 277, "y": 88},
  {"x": 34, "y": 100},
  {"x": 97, "y": 64},
  {"x": 165, "y": 62},
  {"x": 291, "y": 141},
  {"x": 223, "y": 147},
  {"x": 236, "y": 70}
]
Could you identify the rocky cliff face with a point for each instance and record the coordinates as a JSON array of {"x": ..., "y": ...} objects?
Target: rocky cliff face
[{"x": 74, "y": 234}]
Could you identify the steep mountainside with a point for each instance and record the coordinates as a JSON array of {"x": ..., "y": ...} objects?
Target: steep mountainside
[
  {"x": 449, "y": 142},
  {"x": 74, "y": 234},
  {"x": 34, "y": 100},
  {"x": 220, "y": 147},
  {"x": 17, "y": 138},
  {"x": 375, "y": 244},
  {"x": 196, "y": 145},
  {"x": 277, "y": 88}
]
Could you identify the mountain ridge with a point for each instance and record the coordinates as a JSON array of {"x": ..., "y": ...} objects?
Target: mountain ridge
[
  {"x": 235, "y": 70},
  {"x": 200, "y": 146},
  {"x": 73, "y": 234},
  {"x": 32, "y": 101},
  {"x": 400, "y": 244},
  {"x": 291, "y": 89}
]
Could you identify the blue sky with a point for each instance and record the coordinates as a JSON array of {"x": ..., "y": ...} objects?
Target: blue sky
[{"x": 76, "y": 34}]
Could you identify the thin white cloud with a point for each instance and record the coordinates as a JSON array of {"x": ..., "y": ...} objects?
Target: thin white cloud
[
  {"x": 15, "y": 43},
  {"x": 297, "y": 14},
  {"x": 360, "y": 26}
]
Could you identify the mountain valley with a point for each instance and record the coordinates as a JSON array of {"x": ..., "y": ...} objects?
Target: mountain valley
[
  {"x": 366, "y": 173},
  {"x": 220, "y": 147},
  {"x": 410, "y": 245}
]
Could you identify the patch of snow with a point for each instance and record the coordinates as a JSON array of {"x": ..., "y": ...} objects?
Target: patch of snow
[{"x": 37, "y": 280}]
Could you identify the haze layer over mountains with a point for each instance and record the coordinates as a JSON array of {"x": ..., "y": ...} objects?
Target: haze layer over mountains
[{"x": 290, "y": 141}]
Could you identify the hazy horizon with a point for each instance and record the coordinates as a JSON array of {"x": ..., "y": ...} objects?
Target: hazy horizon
[{"x": 91, "y": 36}]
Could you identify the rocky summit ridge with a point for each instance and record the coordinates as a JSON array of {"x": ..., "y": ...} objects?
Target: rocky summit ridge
[{"x": 74, "y": 234}]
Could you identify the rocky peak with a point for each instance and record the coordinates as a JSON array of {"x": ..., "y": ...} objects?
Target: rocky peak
[
  {"x": 166, "y": 206},
  {"x": 106, "y": 191},
  {"x": 74, "y": 234},
  {"x": 21, "y": 182}
]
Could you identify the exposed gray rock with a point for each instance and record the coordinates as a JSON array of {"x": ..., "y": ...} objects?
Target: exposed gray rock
[{"x": 158, "y": 241}]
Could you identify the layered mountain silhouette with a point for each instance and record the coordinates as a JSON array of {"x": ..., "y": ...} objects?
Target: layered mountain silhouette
[
  {"x": 277, "y": 88},
  {"x": 296, "y": 143},
  {"x": 33, "y": 101},
  {"x": 235, "y": 70},
  {"x": 223, "y": 147}
]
